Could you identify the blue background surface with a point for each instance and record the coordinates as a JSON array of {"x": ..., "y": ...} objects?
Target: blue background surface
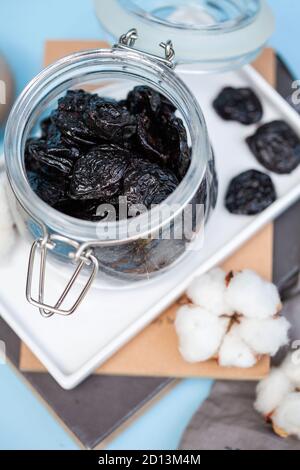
[{"x": 24, "y": 422}]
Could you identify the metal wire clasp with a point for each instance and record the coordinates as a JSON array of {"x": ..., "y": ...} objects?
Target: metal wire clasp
[
  {"x": 127, "y": 41},
  {"x": 85, "y": 259}
]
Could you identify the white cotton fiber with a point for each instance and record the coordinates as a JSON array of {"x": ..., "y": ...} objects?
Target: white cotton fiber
[
  {"x": 291, "y": 368},
  {"x": 200, "y": 333},
  {"x": 271, "y": 391},
  {"x": 287, "y": 416},
  {"x": 7, "y": 231},
  {"x": 252, "y": 296},
  {"x": 208, "y": 291},
  {"x": 234, "y": 352},
  {"x": 265, "y": 336}
]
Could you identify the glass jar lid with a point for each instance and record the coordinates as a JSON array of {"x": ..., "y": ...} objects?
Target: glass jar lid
[{"x": 217, "y": 35}]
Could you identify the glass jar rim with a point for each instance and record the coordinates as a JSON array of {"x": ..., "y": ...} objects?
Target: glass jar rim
[{"x": 54, "y": 76}]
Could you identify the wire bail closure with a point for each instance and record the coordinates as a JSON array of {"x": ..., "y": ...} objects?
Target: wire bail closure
[
  {"x": 127, "y": 42},
  {"x": 86, "y": 258}
]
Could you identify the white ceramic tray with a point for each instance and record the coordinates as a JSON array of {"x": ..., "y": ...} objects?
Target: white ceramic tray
[{"x": 72, "y": 348}]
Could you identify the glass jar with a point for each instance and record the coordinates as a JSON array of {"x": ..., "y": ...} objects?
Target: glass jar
[
  {"x": 157, "y": 240},
  {"x": 128, "y": 249}
]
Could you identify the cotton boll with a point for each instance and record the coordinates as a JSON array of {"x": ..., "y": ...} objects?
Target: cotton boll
[
  {"x": 271, "y": 391},
  {"x": 234, "y": 352},
  {"x": 264, "y": 336},
  {"x": 200, "y": 333},
  {"x": 208, "y": 291},
  {"x": 252, "y": 296},
  {"x": 286, "y": 418},
  {"x": 291, "y": 368}
]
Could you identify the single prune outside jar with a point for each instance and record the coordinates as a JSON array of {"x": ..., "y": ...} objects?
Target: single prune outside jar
[{"x": 131, "y": 249}]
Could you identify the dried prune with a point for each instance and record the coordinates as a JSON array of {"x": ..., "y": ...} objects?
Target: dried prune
[
  {"x": 73, "y": 127},
  {"x": 144, "y": 99},
  {"x": 179, "y": 151},
  {"x": 151, "y": 139},
  {"x": 108, "y": 120},
  {"x": 85, "y": 210},
  {"x": 166, "y": 144},
  {"x": 93, "y": 149},
  {"x": 45, "y": 126},
  {"x": 108, "y": 211},
  {"x": 68, "y": 118},
  {"x": 52, "y": 135},
  {"x": 99, "y": 174},
  {"x": 75, "y": 101},
  {"x": 250, "y": 193},
  {"x": 50, "y": 158},
  {"x": 147, "y": 183},
  {"x": 50, "y": 192},
  {"x": 89, "y": 209},
  {"x": 238, "y": 104},
  {"x": 123, "y": 103},
  {"x": 167, "y": 109},
  {"x": 276, "y": 146},
  {"x": 88, "y": 119}
]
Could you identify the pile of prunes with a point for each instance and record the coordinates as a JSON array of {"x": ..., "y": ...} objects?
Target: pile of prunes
[
  {"x": 92, "y": 150},
  {"x": 275, "y": 145}
]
